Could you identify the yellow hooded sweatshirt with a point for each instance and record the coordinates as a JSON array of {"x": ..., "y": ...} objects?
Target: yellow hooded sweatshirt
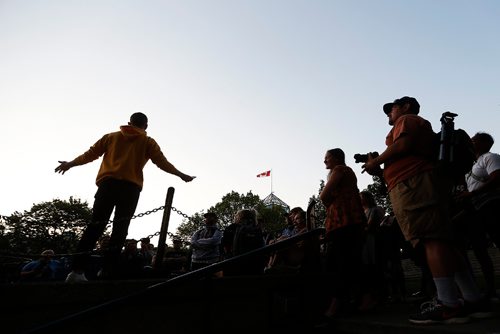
[{"x": 126, "y": 152}]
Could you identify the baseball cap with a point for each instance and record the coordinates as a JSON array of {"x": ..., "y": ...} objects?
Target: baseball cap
[{"x": 414, "y": 105}]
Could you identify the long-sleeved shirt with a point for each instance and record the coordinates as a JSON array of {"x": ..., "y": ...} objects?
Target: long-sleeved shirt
[
  {"x": 126, "y": 152},
  {"x": 205, "y": 244}
]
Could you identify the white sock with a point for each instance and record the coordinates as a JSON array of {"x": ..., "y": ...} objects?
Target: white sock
[{"x": 447, "y": 292}]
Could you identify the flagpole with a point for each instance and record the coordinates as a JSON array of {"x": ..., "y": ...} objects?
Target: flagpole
[{"x": 271, "y": 181}]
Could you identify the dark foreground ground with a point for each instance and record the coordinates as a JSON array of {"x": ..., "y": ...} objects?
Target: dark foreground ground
[{"x": 272, "y": 304}]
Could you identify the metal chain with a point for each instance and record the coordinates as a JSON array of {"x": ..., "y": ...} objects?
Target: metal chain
[
  {"x": 153, "y": 235},
  {"x": 170, "y": 234},
  {"x": 147, "y": 212},
  {"x": 139, "y": 215},
  {"x": 134, "y": 216},
  {"x": 121, "y": 219},
  {"x": 181, "y": 213}
]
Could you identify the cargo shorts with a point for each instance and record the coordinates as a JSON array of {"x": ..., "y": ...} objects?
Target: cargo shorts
[{"x": 421, "y": 207}]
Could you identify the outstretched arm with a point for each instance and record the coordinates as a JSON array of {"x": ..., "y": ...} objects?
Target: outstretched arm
[
  {"x": 184, "y": 177},
  {"x": 92, "y": 154},
  {"x": 161, "y": 161},
  {"x": 64, "y": 166},
  {"x": 169, "y": 168}
]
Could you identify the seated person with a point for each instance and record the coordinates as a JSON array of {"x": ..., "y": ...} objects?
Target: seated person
[
  {"x": 43, "y": 269},
  {"x": 131, "y": 263},
  {"x": 175, "y": 260},
  {"x": 147, "y": 251},
  {"x": 290, "y": 229},
  {"x": 298, "y": 256}
]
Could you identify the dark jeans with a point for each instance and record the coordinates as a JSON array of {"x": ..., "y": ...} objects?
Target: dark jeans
[
  {"x": 344, "y": 261},
  {"x": 122, "y": 196}
]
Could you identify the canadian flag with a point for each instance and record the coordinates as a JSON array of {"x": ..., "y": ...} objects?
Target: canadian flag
[{"x": 264, "y": 174}]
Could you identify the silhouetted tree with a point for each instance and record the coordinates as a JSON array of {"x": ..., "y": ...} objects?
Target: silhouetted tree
[
  {"x": 56, "y": 225},
  {"x": 319, "y": 210},
  {"x": 379, "y": 191},
  {"x": 231, "y": 203},
  {"x": 188, "y": 226},
  {"x": 272, "y": 217}
]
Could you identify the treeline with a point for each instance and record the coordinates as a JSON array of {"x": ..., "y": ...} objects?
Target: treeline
[{"x": 58, "y": 224}]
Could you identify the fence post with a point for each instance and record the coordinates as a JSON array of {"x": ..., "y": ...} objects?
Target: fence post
[
  {"x": 310, "y": 213},
  {"x": 164, "y": 228}
]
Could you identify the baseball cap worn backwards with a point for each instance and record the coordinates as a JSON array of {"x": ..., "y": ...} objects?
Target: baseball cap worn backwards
[{"x": 414, "y": 105}]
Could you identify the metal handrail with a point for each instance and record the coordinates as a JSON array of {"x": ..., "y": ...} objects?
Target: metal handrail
[{"x": 187, "y": 277}]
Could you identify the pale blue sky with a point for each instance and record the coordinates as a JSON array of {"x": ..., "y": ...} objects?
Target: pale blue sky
[{"x": 232, "y": 88}]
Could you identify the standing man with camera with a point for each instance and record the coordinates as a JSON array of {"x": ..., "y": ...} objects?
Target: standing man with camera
[{"x": 419, "y": 196}]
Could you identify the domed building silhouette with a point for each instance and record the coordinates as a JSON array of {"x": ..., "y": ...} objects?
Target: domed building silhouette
[{"x": 272, "y": 200}]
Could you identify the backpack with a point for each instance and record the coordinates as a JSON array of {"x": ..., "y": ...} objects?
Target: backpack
[{"x": 456, "y": 151}]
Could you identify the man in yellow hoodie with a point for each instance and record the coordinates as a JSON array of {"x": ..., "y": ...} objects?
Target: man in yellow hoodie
[{"x": 119, "y": 181}]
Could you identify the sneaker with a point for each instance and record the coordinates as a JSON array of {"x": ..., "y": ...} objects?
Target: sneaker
[
  {"x": 74, "y": 277},
  {"x": 436, "y": 313},
  {"x": 479, "y": 310}
]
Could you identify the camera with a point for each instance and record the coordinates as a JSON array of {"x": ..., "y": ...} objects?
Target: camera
[{"x": 364, "y": 157}]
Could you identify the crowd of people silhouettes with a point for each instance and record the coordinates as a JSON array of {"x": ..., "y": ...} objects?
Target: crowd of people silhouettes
[{"x": 360, "y": 249}]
